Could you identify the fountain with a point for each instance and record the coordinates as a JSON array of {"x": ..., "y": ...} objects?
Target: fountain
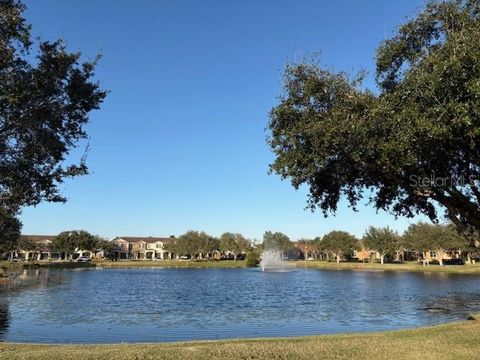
[{"x": 272, "y": 260}]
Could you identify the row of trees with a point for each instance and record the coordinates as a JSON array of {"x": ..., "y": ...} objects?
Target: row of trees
[
  {"x": 335, "y": 245},
  {"x": 67, "y": 242},
  {"x": 420, "y": 237},
  {"x": 197, "y": 244}
]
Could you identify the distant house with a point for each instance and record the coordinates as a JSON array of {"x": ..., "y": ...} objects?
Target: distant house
[
  {"x": 365, "y": 255},
  {"x": 432, "y": 255},
  {"x": 41, "y": 248},
  {"x": 307, "y": 250},
  {"x": 141, "y": 248}
]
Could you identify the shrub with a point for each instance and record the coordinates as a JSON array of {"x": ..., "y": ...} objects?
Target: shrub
[{"x": 253, "y": 259}]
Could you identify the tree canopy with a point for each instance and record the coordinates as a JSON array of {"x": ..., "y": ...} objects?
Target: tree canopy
[
  {"x": 236, "y": 243},
  {"x": 431, "y": 237},
  {"x": 409, "y": 145},
  {"x": 339, "y": 244},
  {"x": 193, "y": 243},
  {"x": 46, "y": 96},
  {"x": 383, "y": 240},
  {"x": 276, "y": 241},
  {"x": 70, "y": 241},
  {"x": 10, "y": 228}
]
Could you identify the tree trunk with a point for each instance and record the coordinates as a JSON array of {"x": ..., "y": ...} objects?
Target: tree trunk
[
  {"x": 440, "y": 253},
  {"x": 338, "y": 259},
  {"x": 382, "y": 258}
]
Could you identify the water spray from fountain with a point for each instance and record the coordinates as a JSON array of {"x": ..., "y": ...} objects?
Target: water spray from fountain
[{"x": 272, "y": 260}]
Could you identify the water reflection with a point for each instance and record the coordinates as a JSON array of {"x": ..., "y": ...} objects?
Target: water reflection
[
  {"x": 147, "y": 305},
  {"x": 4, "y": 318}
]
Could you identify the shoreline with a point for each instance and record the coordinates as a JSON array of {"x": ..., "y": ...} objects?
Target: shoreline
[
  {"x": 454, "y": 340},
  {"x": 230, "y": 264},
  {"x": 473, "y": 269}
]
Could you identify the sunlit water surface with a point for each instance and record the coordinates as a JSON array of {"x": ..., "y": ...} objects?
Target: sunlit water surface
[{"x": 150, "y": 305}]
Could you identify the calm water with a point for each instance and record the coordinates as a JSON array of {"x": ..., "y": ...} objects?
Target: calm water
[{"x": 149, "y": 305}]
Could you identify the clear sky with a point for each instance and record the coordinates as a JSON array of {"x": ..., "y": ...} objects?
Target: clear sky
[{"x": 179, "y": 143}]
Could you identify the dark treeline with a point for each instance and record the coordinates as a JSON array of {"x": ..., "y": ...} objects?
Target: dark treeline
[
  {"x": 380, "y": 244},
  {"x": 194, "y": 245},
  {"x": 421, "y": 241},
  {"x": 65, "y": 244}
]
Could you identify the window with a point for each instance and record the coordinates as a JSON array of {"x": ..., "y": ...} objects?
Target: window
[
  {"x": 159, "y": 246},
  {"x": 433, "y": 254}
]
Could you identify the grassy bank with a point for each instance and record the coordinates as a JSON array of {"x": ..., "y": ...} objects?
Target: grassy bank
[
  {"x": 450, "y": 341},
  {"x": 411, "y": 266},
  {"x": 173, "y": 264},
  {"x": 7, "y": 267},
  {"x": 408, "y": 266}
]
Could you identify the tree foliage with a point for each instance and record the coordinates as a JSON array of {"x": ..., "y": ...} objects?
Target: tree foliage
[
  {"x": 409, "y": 145},
  {"x": 339, "y": 244},
  {"x": 431, "y": 237},
  {"x": 253, "y": 258},
  {"x": 193, "y": 243},
  {"x": 106, "y": 246},
  {"x": 70, "y": 241},
  {"x": 28, "y": 245},
  {"x": 46, "y": 95},
  {"x": 235, "y": 243},
  {"x": 383, "y": 240},
  {"x": 309, "y": 247},
  {"x": 10, "y": 228},
  {"x": 276, "y": 241}
]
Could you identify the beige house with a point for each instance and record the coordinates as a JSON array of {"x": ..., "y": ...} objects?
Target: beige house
[
  {"x": 42, "y": 249},
  {"x": 366, "y": 255},
  {"x": 141, "y": 248},
  {"x": 405, "y": 255},
  {"x": 432, "y": 255}
]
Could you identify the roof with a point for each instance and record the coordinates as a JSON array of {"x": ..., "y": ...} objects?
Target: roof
[
  {"x": 38, "y": 238},
  {"x": 149, "y": 239}
]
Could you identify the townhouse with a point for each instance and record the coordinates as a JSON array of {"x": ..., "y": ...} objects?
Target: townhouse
[
  {"x": 40, "y": 248},
  {"x": 141, "y": 248}
]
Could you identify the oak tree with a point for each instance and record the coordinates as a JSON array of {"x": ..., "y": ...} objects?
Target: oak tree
[
  {"x": 46, "y": 96},
  {"x": 411, "y": 145}
]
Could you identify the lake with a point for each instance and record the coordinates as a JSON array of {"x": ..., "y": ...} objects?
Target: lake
[{"x": 154, "y": 305}]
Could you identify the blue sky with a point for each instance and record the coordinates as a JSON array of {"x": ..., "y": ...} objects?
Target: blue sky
[{"x": 179, "y": 143}]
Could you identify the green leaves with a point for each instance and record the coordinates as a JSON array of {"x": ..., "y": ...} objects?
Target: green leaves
[
  {"x": 235, "y": 243},
  {"x": 10, "y": 228},
  {"x": 339, "y": 242},
  {"x": 193, "y": 243},
  {"x": 276, "y": 241},
  {"x": 420, "y": 126},
  {"x": 383, "y": 240},
  {"x": 69, "y": 241},
  {"x": 44, "y": 106}
]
